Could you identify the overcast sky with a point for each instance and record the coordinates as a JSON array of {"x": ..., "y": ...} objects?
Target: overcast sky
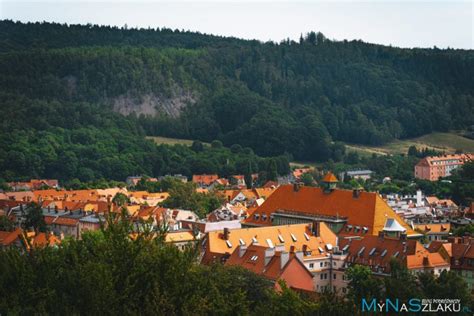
[{"x": 401, "y": 23}]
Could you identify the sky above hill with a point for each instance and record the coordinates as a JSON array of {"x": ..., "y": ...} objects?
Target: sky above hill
[{"x": 401, "y": 23}]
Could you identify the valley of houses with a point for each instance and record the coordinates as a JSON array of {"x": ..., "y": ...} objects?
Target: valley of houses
[{"x": 306, "y": 236}]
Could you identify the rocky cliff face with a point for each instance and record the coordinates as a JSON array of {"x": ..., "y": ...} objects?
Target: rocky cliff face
[{"x": 152, "y": 104}]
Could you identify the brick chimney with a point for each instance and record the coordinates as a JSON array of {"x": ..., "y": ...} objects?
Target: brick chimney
[
  {"x": 226, "y": 233},
  {"x": 381, "y": 235},
  {"x": 403, "y": 236},
  {"x": 315, "y": 228}
]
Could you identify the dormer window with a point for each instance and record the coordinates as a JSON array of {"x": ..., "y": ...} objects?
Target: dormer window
[
  {"x": 254, "y": 240},
  {"x": 242, "y": 242},
  {"x": 229, "y": 244},
  {"x": 372, "y": 251},
  {"x": 384, "y": 252},
  {"x": 293, "y": 237},
  {"x": 365, "y": 230},
  {"x": 256, "y": 216},
  {"x": 264, "y": 217},
  {"x": 361, "y": 251}
]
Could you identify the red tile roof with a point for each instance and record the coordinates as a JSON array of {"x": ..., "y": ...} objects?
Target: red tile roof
[
  {"x": 367, "y": 210},
  {"x": 206, "y": 179},
  {"x": 330, "y": 177},
  {"x": 268, "y": 263}
]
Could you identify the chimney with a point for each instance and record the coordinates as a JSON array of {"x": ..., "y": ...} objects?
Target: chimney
[
  {"x": 403, "y": 236},
  {"x": 226, "y": 233},
  {"x": 269, "y": 253},
  {"x": 305, "y": 249},
  {"x": 419, "y": 202},
  {"x": 315, "y": 228},
  {"x": 381, "y": 234},
  {"x": 356, "y": 193},
  {"x": 292, "y": 249},
  {"x": 284, "y": 258},
  {"x": 242, "y": 250},
  {"x": 280, "y": 248}
]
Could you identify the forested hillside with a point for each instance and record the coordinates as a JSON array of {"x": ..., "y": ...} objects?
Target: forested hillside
[{"x": 288, "y": 97}]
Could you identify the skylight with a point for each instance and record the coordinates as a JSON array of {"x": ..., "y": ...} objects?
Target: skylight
[
  {"x": 306, "y": 236},
  {"x": 280, "y": 238},
  {"x": 293, "y": 237}
]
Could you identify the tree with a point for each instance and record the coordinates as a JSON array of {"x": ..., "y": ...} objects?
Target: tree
[
  {"x": 120, "y": 199},
  {"x": 362, "y": 284},
  {"x": 401, "y": 284},
  {"x": 307, "y": 179},
  {"x": 448, "y": 284},
  {"x": 34, "y": 217},
  {"x": 272, "y": 172},
  {"x": 413, "y": 151},
  {"x": 6, "y": 224},
  {"x": 197, "y": 146}
]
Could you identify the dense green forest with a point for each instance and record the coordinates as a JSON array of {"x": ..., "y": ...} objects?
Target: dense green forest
[
  {"x": 289, "y": 97},
  {"x": 77, "y": 141}
]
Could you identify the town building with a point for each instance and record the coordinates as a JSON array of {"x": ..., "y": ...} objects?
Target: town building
[
  {"x": 434, "y": 167},
  {"x": 357, "y": 174},
  {"x": 434, "y": 231},
  {"x": 219, "y": 245},
  {"x": 204, "y": 180},
  {"x": 274, "y": 264},
  {"x": 459, "y": 251},
  {"x": 346, "y": 212}
]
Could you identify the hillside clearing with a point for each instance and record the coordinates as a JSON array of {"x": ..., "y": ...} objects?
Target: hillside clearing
[{"x": 446, "y": 142}]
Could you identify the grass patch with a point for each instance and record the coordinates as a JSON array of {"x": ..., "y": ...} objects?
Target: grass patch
[
  {"x": 171, "y": 141},
  {"x": 447, "y": 142}
]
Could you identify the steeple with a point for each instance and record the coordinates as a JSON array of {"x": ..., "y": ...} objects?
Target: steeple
[{"x": 329, "y": 182}]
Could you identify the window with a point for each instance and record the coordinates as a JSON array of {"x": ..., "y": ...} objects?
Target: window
[
  {"x": 334, "y": 276},
  {"x": 311, "y": 265},
  {"x": 344, "y": 290},
  {"x": 321, "y": 276},
  {"x": 321, "y": 264}
]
